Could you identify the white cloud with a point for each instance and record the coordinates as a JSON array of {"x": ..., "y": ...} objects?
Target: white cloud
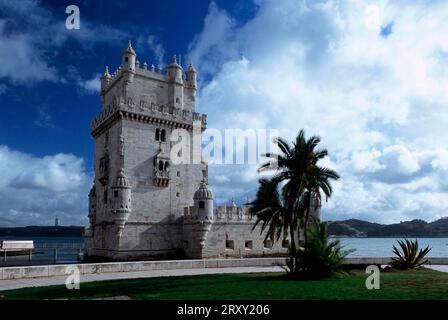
[
  {"x": 36, "y": 189},
  {"x": 31, "y": 36},
  {"x": 157, "y": 50},
  {"x": 215, "y": 43},
  {"x": 441, "y": 159},
  {"x": 366, "y": 161},
  {"x": 378, "y": 102},
  {"x": 92, "y": 85}
]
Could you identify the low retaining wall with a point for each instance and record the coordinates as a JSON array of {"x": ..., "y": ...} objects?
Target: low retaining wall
[
  {"x": 92, "y": 268},
  {"x": 7, "y": 273}
]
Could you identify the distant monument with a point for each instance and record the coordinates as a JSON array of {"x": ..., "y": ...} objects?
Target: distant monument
[
  {"x": 141, "y": 205},
  {"x": 56, "y": 221}
]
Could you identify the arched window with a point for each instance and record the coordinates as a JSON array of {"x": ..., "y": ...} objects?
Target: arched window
[
  {"x": 160, "y": 165},
  {"x": 163, "y": 135},
  {"x": 157, "y": 134},
  {"x": 167, "y": 165},
  {"x": 201, "y": 204}
]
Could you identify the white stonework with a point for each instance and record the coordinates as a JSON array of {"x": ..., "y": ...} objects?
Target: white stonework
[{"x": 141, "y": 205}]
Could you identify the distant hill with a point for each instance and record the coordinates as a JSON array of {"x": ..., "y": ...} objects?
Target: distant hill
[
  {"x": 348, "y": 228},
  {"x": 414, "y": 228},
  {"x": 39, "y": 231}
]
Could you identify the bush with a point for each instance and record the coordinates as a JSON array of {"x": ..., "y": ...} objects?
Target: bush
[
  {"x": 409, "y": 257},
  {"x": 322, "y": 256}
]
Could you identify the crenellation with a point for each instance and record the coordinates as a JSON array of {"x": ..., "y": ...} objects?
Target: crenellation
[{"x": 148, "y": 112}]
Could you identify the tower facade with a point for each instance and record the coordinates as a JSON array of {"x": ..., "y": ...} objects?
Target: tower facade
[
  {"x": 137, "y": 199},
  {"x": 150, "y": 199}
]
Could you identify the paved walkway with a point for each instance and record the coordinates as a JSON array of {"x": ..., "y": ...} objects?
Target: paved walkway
[
  {"x": 58, "y": 280},
  {"x": 442, "y": 268}
]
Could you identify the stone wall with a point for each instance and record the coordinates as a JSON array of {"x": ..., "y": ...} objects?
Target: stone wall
[
  {"x": 7, "y": 273},
  {"x": 237, "y": 239}
]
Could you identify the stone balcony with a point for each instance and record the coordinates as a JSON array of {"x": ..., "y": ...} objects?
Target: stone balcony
[{"x": 161, "y": 178}]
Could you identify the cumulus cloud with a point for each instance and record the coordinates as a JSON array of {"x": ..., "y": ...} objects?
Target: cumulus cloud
[
  {"x": 36, "y": 189},
  {"x": 369, "y": 77},
  {"x": 207, "y": 50}
]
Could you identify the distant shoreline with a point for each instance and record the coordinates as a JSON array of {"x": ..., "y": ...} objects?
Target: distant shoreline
[
  {"x": 351, "y": 228},
  {"x": 42, "y": 231}
]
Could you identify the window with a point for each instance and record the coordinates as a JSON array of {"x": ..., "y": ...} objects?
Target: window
[
  {"x": 126, "y": 59},
  {"x": 160, "y": 165},
  {"x": 115, "y": 193},
  {"x": 285, "y": 243},
  {"x": 230, "y": 244},
  {"x": 177, "y": 194},
  {"x": 177, "y": 100},
  {"x": 201, "y": 204},
  {"x": 163, "y": 135},
  {"x": 178, "y": 173},
  {"x": 167, "y": 166},
  {"x": 157, "y": 134},
  {"x": 105, "y": 196},
  {"x": 268, "y": 244},
  {"x": 249, "y": 244}
]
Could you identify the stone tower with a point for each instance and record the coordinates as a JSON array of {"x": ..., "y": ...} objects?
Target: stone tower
[{"x": 137, "y": 200}]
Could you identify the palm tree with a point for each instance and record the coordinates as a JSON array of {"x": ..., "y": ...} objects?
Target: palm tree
[
  {"x": 297, "y": 168},
  {"x": 269, "y": 207}
]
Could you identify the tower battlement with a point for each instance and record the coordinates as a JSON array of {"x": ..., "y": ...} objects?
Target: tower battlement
[
  {"x": 156, "y": 97},
  {"x": 148, "y": 112}
]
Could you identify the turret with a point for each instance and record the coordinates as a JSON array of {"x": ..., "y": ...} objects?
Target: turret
[
  {"x": 92, "y": 206},
  {"x": 105, "y": 78},
  {"x": 315, "y": 213},
  {"x": 129, "y": 57},
  {"x": 174, "y": 71},
  {"x": 121, "y": 201},
  {"x": 191, "y": 76},
  {"x": 203, "y": 202}
]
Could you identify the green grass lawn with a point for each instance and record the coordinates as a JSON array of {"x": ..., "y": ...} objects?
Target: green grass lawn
[{"x": 417, "y": 284}]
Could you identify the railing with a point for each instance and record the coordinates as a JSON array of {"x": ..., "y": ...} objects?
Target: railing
[{"x": 47, "y": 253}]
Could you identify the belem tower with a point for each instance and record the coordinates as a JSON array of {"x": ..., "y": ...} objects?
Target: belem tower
[{"x": 141, "y": 205}]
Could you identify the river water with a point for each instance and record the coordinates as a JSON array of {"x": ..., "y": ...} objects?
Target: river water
[{"x": 50, "y": 250}]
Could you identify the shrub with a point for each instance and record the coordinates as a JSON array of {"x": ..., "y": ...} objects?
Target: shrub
[
  {"x": 322, "y": 256},
  {"x": 409, "y": 257}
]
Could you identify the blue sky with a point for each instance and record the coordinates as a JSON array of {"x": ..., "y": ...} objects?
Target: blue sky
[{"x": 369, "y": 77}]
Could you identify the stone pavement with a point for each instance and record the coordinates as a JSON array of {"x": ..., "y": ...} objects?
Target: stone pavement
[
  {"x": 58, "y": 280},
  {"x": 442, "y": 268}
]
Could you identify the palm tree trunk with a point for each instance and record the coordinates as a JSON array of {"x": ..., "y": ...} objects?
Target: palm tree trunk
[
  {"x": 305, "y": 228},
  {"x": 293, "y": 250}
]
